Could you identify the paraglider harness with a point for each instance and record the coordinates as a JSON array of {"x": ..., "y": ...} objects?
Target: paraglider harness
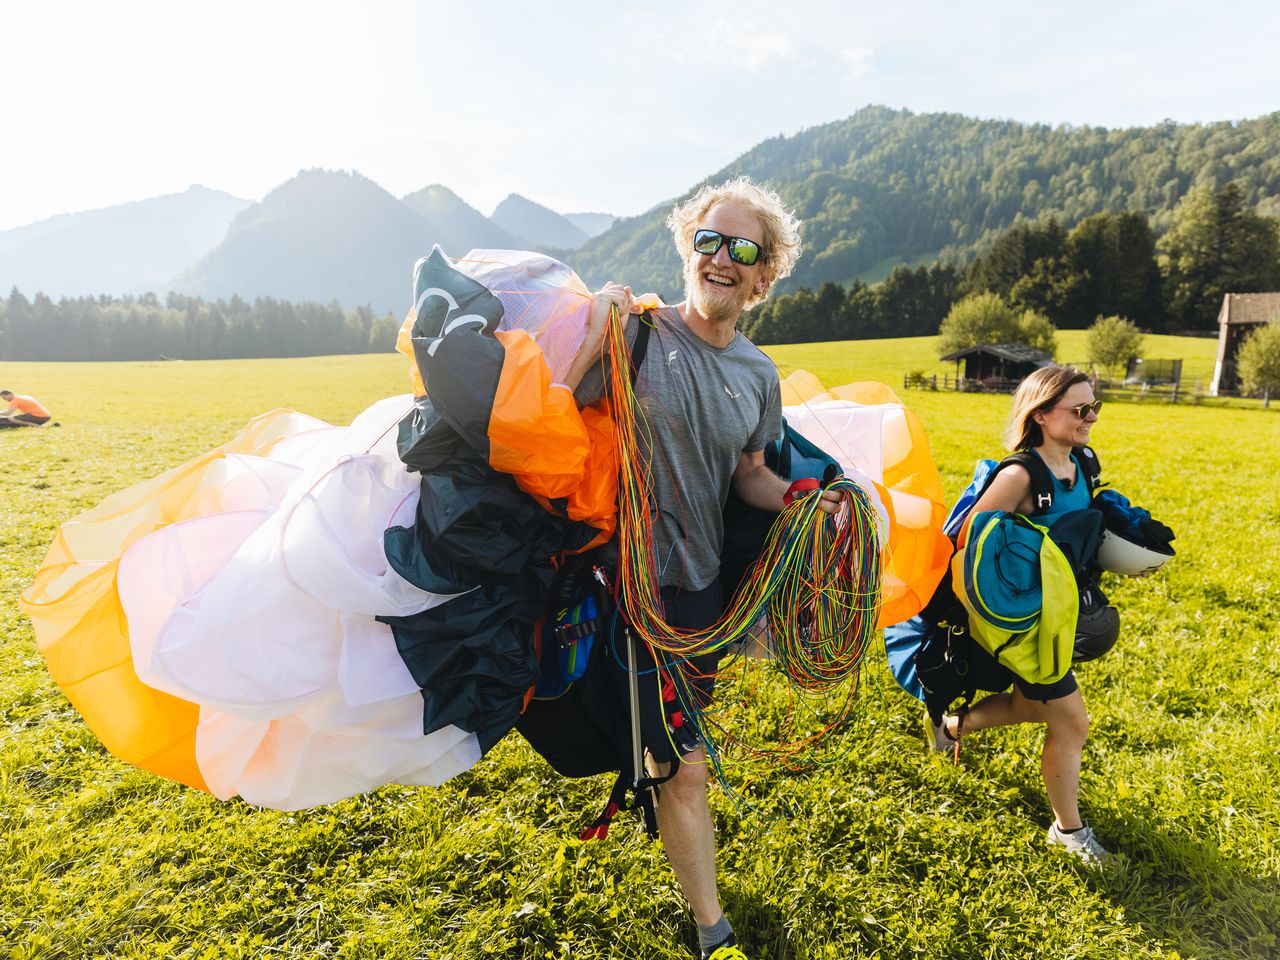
[
  {"x": 949, "y": 663},
  {"x": 572, "y": 724}
]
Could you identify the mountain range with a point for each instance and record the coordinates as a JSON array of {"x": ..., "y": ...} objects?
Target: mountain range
[
  {"x": 877, "y": 188},
  {"x": 133, "y": 247},
  {"x": 320, "y": 236}
]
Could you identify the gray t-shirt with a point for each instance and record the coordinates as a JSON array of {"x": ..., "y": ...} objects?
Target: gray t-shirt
[{"x": 705, "y": 406}]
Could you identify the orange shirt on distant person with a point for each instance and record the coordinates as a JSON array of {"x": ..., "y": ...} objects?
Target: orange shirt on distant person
[{"x": 25, "y": 404}]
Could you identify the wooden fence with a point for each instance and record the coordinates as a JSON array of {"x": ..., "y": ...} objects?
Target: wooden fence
[{"x": 1155, "y": 392}]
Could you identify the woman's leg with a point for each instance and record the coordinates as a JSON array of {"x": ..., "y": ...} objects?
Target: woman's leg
[{"x": 1067, "y": 728}]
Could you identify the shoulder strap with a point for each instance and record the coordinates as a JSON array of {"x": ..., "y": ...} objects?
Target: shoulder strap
[
  {"x": 1089, "y": 466},
  {"x": 1041, "y": 479},
  {"x": 641, "y": 344}
]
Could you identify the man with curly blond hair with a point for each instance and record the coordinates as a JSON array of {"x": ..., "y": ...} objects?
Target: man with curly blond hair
[{"x": 711, "y": 401}]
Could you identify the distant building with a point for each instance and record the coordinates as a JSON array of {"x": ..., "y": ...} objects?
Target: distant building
[
  {"x": 998, "y": 365},
  {"x": 1241, "y": 314},
  {"x": 1144, "y": 371}
]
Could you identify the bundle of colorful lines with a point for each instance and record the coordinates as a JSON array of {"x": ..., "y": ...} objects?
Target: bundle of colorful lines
[{"x": 811, "y": 600}]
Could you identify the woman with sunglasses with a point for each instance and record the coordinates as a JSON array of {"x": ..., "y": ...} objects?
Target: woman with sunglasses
[{"x": 1053, "y": 412}]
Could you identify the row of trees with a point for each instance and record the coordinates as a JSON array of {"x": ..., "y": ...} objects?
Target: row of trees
[
  {"x": 187, "y": 328},
  {"x": 985, "y": 318},
  {"x": 1112, "y": 264},
  {"x": 909, "y": 303},
  {"x": 1107, "y": 265}
]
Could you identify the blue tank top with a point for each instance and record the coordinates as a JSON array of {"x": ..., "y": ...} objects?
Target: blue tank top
[{"x": 1066, "y": 499}]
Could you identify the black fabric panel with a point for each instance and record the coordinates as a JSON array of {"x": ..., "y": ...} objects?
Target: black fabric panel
[
  {"x": 473, "y": 524},
  {"x": 423, "y": 439},
  {"x": 587, "y": 730},
  {"x": 475, "y": 528},
  {"x": 473, "y": 656},
  {"x": 462, "y": 379},
  {"x": 403, "y": 548},
  {"x": 446, "y": 302}
]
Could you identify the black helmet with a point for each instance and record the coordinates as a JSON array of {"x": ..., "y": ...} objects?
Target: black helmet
[{"x": 1096, "y": 632}]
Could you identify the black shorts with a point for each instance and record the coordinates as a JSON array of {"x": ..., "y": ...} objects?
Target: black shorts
[
  {"x": 1044, "y": 692},
  {"x": 688, "y": 610}
]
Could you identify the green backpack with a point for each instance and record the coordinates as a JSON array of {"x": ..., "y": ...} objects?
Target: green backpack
[{"x": 1020, "y": 592}]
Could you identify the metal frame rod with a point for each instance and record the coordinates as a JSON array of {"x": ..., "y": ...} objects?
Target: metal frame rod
[{"x": 633, "y": 688}]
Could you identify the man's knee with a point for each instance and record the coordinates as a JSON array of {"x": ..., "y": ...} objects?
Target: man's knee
[{"x": 689, "y": 784}]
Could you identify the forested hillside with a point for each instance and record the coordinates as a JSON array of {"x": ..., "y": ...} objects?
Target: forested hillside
[{"x": 890, "y": 185}]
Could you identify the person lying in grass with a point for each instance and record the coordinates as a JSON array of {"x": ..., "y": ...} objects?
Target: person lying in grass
[{"x": 23, "y": 411}]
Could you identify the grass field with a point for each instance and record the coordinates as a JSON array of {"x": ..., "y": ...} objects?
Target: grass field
[{"x": 889, "y": 853}]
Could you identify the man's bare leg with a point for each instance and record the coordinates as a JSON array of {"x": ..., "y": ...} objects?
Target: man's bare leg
[{"x": 688, "y": 835}]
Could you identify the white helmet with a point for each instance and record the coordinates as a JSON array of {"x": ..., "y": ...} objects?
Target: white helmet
[{"x": 1119, "y": 555}]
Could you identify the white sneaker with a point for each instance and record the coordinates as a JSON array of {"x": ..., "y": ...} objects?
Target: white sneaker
[
  {"x": 1082, "y": 843},
  {"x": 935, "y": 734}
]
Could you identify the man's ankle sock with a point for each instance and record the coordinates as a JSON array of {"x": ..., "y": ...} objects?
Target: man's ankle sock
[{"x": 716, "y": 935}]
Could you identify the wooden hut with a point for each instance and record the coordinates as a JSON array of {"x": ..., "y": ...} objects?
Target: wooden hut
[{"x": 997, "y": 366}]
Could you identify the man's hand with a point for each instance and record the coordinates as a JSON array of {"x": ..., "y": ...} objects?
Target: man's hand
[
  {"x": 829, "y": 501},
  {"x": 609, "y": 296}
]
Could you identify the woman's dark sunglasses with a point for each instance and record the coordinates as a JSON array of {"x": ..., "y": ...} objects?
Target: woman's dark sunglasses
[
  {"x": 741, "y": 250},
  {"x": 1082, "y": 410}
]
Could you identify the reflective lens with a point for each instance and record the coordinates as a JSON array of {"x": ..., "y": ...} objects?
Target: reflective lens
[
  {"x": 1082, "y": 410},
  {"x": 741, "y": 250}
]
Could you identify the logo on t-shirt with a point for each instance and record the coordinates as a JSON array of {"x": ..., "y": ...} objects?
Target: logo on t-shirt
[{"x": 732, "y": 395}]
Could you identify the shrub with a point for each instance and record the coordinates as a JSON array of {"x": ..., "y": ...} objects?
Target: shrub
[
  {"x": 987, "y": 318},
  {"x": 1112, "y": 342},
  {"x": 1258, "y": 362}
]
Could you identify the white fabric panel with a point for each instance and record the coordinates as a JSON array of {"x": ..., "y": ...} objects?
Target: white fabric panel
[
  {"x": 851, "y": 433},
  {"x": 261, "y": 610}
]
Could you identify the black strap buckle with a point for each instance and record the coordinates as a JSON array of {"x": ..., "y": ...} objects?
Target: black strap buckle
[{"x": 567, "y": 634}]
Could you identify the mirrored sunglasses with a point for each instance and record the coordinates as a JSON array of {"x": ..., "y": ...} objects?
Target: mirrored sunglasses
[{"x": 741, "y": 250}]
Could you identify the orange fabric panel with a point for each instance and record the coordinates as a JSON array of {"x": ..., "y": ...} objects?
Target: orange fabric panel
[
  {"x": 535, "y": 431},
  {"x": 916, "y": 558},
  {"x": 595, "y": 499}
]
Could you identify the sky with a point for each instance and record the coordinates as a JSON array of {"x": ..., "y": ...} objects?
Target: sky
[{"x": 580, "y": 106}]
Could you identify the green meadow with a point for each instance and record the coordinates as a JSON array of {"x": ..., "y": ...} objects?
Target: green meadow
[{"x": 889, "y": 852}]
